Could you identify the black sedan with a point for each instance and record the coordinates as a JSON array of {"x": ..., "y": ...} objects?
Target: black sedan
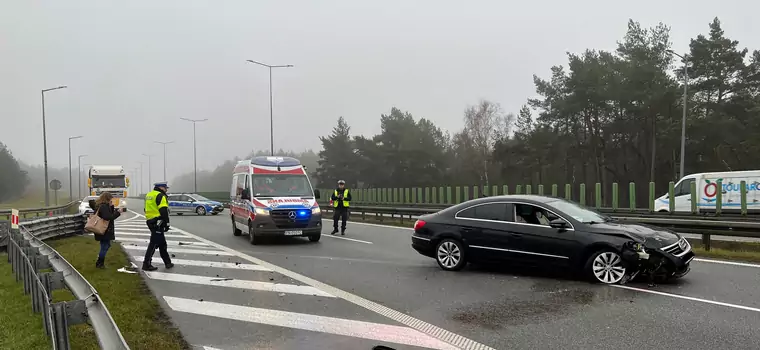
[{"x": 550, "y": 231}]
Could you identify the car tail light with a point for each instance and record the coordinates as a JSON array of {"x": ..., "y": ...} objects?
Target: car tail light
[{"x": 419, "y": 224}]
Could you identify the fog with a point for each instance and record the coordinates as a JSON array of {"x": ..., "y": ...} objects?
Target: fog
[{"x": 133, "y": 69}]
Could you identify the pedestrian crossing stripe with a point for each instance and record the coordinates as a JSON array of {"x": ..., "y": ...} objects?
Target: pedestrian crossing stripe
[
  {"x": 324, "y": 324},
  {"x": 211, "y": 264},
  {"x": 118, "y": 233},
  {"x": 240, "y": 284},
  {"x": 168, "y": 242},
  {"x": 182, "y": 250}
]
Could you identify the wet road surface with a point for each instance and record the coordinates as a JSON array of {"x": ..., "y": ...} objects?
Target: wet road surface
[{"x": 323, "y": 286}]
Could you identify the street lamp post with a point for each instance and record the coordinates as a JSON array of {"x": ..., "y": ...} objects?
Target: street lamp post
[
  {"x": 683, "y": 120},
  {"x": 271, "y": 117},
  {"x": 164, "y": 143},
  {"x": 79, "y": 165},
  {"x": 150, "y": 156},
  {"x": 142, "y": 183},
  {"x": 44, "y": 144},
  {"x": 71, "y": 188},
  {"x": 195, "y": 158}
]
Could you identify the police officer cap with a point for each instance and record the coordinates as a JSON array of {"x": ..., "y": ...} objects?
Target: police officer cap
[
  {"x": 341, "y": 182},
  {"x": 161, "y": 184}
]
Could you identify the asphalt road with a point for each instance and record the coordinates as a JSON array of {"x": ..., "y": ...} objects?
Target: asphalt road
[{"x": 370, "y": 287}]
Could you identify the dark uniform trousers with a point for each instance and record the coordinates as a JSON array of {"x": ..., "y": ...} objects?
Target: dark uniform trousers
[
  {"x": 340, "y": 213},
  {"x": 157, "y": 240}
]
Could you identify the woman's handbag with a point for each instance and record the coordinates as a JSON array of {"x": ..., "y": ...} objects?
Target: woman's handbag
[{"x": 96, "y": 224}]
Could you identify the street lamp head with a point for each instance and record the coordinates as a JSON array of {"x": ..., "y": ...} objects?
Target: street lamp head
[{"x": 75, "y": 137}]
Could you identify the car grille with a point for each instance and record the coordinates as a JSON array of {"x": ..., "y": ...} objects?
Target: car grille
[
  {"x": 679, "y": 248},
  {"x": 282, "y": 220}
]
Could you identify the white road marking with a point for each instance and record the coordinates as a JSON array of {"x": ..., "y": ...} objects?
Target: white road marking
[
  {"x": 168, "y": 242},
  {"x": 727, "y": 262},
  {"x": 120, "y": 233},
  {"x": 422, "y": 326},
  {"x": 348, "y": 239},
  {"x": 735, "y": 306},
  {"x": 129, "y": 219},
  {"x": 182, "y": 250},
  {"x": 240, "y": 284},
  {"x": 399, "y": 228},
  {"x": 210, "y": 348},
  {"x": 332, "y": 325},
  {"x": 214, "y": 264}
]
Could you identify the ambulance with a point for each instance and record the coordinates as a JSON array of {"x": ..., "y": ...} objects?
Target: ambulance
[{"x": 273, "y": 197}]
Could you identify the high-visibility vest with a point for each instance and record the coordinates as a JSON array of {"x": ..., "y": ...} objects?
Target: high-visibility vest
[
  {"x": 345, "y": 202},
  {"x": 151, "y": 208}
]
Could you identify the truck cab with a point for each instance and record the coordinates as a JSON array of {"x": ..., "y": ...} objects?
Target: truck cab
[
  {"x": 109, "y": 178},
  {"x": 273, "y": 197}
]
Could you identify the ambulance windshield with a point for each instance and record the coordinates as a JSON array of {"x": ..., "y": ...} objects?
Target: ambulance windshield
[{"x": 281, "y": 185}]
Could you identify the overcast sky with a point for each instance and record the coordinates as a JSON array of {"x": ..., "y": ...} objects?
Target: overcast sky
[{"x": 133, "y": 68}]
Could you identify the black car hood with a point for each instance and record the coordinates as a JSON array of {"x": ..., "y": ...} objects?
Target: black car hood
[{"x": 650, "y": 236}]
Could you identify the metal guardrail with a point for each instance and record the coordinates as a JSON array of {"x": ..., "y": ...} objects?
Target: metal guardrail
[
  {"x": 705, "y": 226},
  {"x": 28, "y": 213},
  {"x": 28, "y": 255}
]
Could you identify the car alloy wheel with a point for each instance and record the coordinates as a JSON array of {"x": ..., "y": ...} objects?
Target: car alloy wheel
[
  {"x": 607, "y": 267},
  {"x": 252, "y": 236},
  {"x": 201, "y": 211},
  {"x": 450, "y": 255}
]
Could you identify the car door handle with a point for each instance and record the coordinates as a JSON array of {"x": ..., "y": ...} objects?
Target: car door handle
[
  {"x": 468, "y": 230},
  {"x": 515, "y": 235}
]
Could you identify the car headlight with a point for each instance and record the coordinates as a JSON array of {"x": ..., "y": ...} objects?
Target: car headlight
[
  {"x": 261, "y": 211},
  {"x": 316, "y": 210}
]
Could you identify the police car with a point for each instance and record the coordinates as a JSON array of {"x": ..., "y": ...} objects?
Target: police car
[{"x": 181, "y": 203}]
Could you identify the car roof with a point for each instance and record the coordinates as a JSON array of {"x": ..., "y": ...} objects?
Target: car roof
[{"x": 515, "y": 197}]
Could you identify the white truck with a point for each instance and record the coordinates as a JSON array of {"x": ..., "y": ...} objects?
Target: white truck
[
  {"x": 707, "y": 190},
  {"x": 109, "y": 178}
]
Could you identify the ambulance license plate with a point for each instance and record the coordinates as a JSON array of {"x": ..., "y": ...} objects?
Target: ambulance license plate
[{"x": 293, "y": 233}]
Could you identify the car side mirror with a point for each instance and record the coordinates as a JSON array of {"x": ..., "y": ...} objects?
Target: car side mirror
[
  {"x": 558, "y": 224},
  {"x": 316, "y": 194}
]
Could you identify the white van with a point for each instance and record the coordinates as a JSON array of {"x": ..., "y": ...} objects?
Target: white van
[{"x": 707, "y": 190}]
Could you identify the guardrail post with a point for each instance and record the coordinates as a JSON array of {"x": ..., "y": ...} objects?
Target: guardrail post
[
  {"x": 671, "y": 197},
  {"x": 528, "y": 189},
  {"x": 486, "y": 193},
  {"x": 435, "y": 195},
  {"x": 475, "y": 194},
  {"x": 554, "y": 190},
  {"x": 505, "y": 189},
  {"x": 427, "y": 195},
  {"x": 615, "y": 196},
  {"x": 582, "y": 193},
  {"x": 440, "y": 195},
  {"x": 495, "y": 190},
  {"x": 719, "y": 198},
  {"x": 448, "y": 195},
  {"x": 598, "y": 194},
  {"x": 518, "y": 189},
  {"x": 458, "y": 194},
  {"x": 568, "y": 192},
  {"x": 632, "y": 196},
  {"x": 466, "y": 193},
  {"x": 743, "y": 196},
  {"x": 540, "y": 190},
  {"x": 693, "y": 198},
  {"x": 651, "y": 197},
  {"x": 420, "y": 198}
]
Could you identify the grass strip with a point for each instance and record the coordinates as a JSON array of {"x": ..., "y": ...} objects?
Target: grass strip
[
  {"x": 20, "y": 327},
  {"x": 723, "y": 250},
  {"x": 137, "y": 313}
]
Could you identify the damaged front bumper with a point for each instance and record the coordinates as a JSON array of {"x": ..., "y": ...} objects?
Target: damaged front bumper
[{"x": 668, "y": 262}]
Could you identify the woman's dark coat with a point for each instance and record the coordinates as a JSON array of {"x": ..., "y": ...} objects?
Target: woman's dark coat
[{"x": 106, "y": 212}]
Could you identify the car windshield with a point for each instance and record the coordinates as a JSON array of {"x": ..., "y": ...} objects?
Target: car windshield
[
  {"x": 281, "y": 185},
  {"x": 578, "y": 212},
  {"x": 200, "y": 198},
  {"x": 108, "y": 181}
]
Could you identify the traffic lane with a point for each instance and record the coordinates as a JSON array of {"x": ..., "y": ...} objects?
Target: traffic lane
[
  {"x": 396, "y": 286},
  {"x": 712, "y": 281}
]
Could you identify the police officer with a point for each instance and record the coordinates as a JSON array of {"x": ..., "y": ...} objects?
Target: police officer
[
  {"x": 341, "y": 199},
  {"x": 157, "y": 218}
]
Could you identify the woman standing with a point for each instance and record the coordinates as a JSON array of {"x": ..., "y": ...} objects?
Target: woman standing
[{"x": 104, "y": 208}]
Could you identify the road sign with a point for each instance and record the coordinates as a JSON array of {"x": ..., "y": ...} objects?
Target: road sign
[
  {"x": 55, "y": 184},
  {"x": 14, "y": 219}
]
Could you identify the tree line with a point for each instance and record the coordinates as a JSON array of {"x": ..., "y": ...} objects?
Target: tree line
[
  {"x": 604, "y": 117},
  {"x": 13, "y": 180}
]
